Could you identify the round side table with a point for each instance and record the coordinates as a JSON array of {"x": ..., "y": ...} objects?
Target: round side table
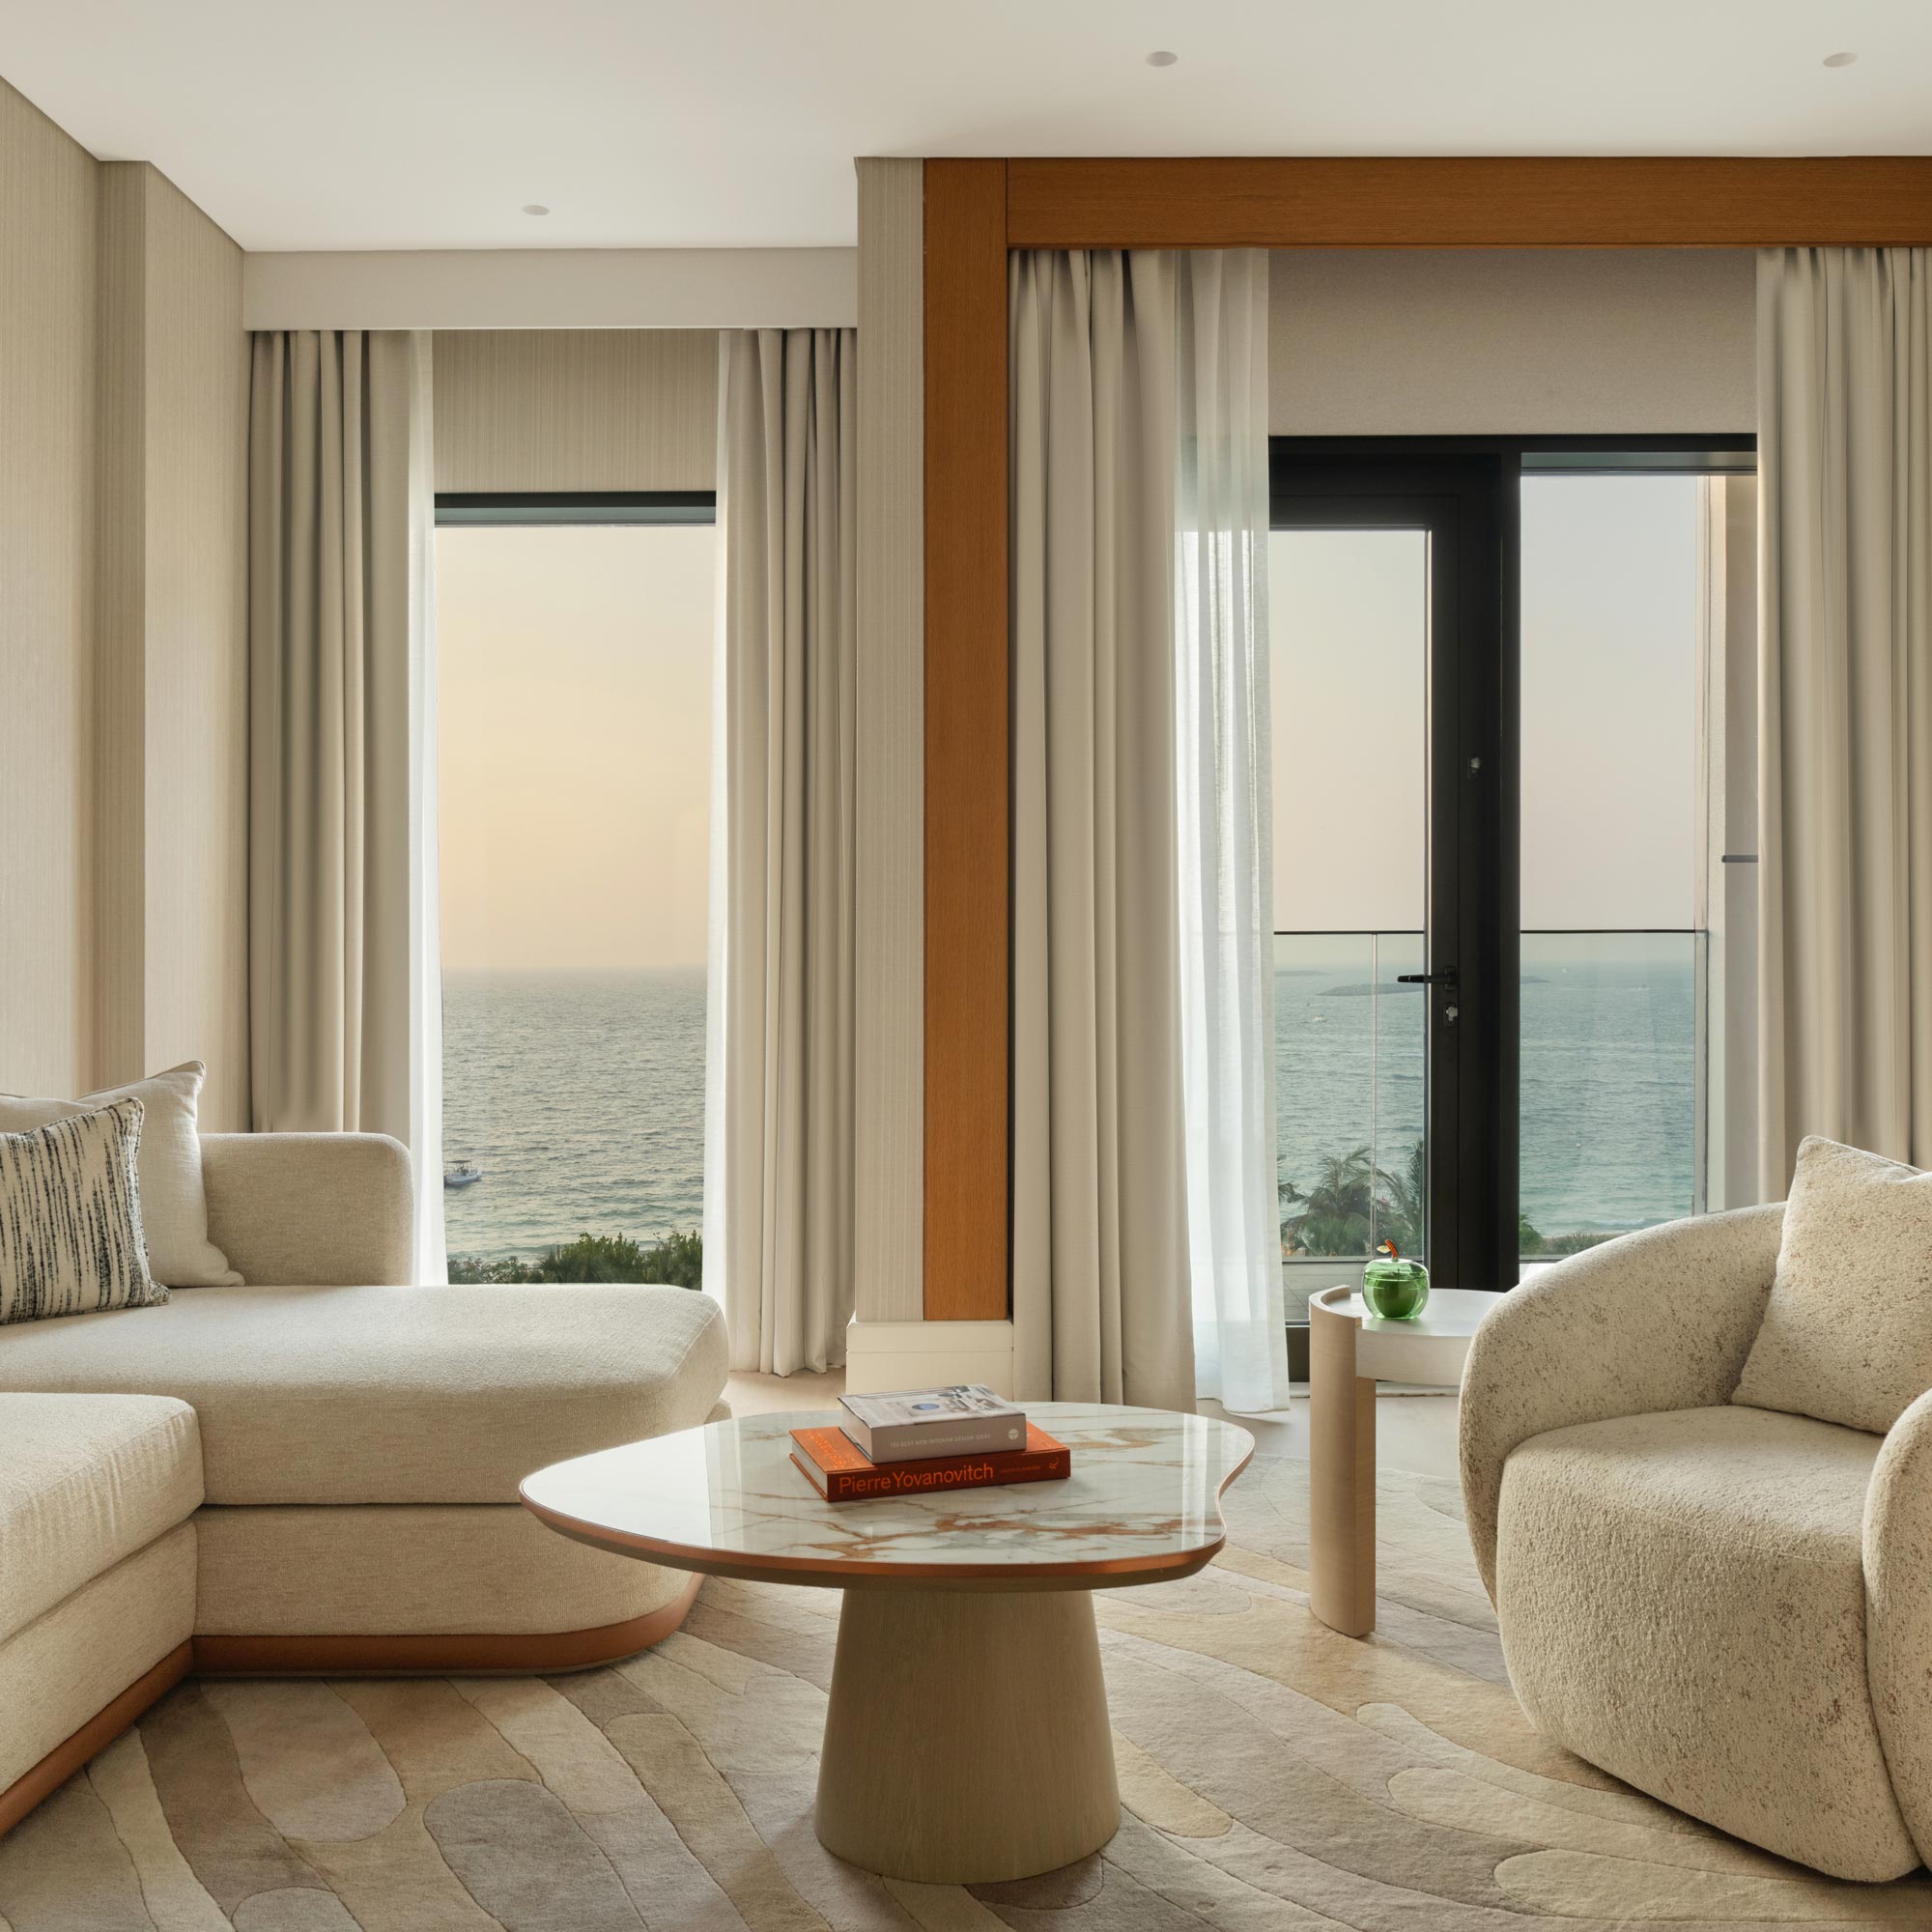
[{"x": 1349, "y": 1351}]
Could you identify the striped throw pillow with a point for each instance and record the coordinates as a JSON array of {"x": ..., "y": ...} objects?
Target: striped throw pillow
[{"x": 70, "y": 1237}]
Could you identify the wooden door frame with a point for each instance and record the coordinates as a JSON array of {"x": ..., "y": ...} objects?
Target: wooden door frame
[{"x": 976, "y": 212}]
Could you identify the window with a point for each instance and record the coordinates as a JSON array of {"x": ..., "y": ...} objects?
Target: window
[{"x": 575, "y": 645}]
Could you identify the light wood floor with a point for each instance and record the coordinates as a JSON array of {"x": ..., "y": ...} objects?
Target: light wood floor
[{"x": 1414, "y": 1433}]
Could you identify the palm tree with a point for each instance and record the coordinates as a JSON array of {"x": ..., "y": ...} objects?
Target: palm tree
[
  {"x": 1402, "y": 1213},
  {"x": 1337, "y": 1211}
]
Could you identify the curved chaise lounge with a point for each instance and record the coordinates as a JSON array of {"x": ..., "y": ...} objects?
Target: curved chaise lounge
[{"x": 320, "y": 1476}]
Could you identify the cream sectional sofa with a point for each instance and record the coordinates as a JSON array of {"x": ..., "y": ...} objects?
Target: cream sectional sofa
[{"x": 316, "y": 1471}]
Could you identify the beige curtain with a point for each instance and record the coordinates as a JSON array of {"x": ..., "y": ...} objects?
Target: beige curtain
[
  {"x": 1101, "y": 1307},
  {"x": 344, "y": 980},
  {"x": 778, "y": 1210},
  {"x": 1845, "y": 456}
]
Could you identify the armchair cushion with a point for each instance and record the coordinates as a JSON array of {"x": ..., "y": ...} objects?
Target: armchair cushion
[
  {"x": 1682, "y": 1600},
  {"x": 1847, "y": 1332},
  {"x": 1657, "y": 1319}
]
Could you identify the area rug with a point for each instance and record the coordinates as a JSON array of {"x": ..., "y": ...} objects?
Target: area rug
[{"x": 1274, "y": 1776}]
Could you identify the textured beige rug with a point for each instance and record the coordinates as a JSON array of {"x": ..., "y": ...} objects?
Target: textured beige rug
[{"x": 1274, "y": 1776}]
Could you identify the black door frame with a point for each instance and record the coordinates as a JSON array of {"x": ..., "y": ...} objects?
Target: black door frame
[{"x": 1466, "y": 492}]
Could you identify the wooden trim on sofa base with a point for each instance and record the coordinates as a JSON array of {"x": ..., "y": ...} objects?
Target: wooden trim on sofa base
[
  {"x": 433, "y": 1656},
  {"x": 96, "y": 1735}
]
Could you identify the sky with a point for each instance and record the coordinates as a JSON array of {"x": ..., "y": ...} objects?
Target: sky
[
  {"x": 575, "y": 680},
  {"x": 1609, "y": 589},
  {"x": 575, "y": 745}
]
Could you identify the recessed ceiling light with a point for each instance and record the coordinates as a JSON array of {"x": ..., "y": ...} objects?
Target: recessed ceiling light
[
  {"x": 1160, "y": 57},
  {"x": 535, "y": 208},
  {"x": 1839, "y": 60}
]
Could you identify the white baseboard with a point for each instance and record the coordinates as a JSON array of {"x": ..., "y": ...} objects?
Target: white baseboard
[{"x": 882, "y": 1356}]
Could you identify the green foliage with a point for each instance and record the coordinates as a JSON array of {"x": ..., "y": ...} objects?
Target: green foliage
[
  {"x": 510, "y": 1269},
  {"x": 677, "y": 1260},
  {"x": 1571, "y": 1243},
  {"x": 1337, "y": 1211},
  {"x": 1352, "y": 1204}
]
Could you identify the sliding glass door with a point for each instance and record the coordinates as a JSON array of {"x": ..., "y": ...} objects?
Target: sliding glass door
[{"x": 1509, "y": 744}]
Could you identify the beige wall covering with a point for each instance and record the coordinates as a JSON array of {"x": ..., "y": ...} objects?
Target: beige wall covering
[
  {"x": 888, "y": 1098},
  {"x": 121, "y": 580},
  {"x": 575, "y": 408},
  {"x": 1448, "y": 342},
  {"x": 170, "y": 831},
  {"x": 553, "y": 288},
  {"x": 49, "y": 203}
]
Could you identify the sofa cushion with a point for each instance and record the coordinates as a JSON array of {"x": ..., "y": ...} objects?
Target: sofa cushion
[
  {"x": 75, "y": 1659},
  {"x": 70, "y": 1218},
  {"x": 174, "y": 1210},
  {"x": 1847, "y": 1333},
  {"x": 1682, "y": 1602},
  {"x": 411, "y": 1570},
  {"x": 86, "y": 1480},
  {"x": 395, "y": 1395}
]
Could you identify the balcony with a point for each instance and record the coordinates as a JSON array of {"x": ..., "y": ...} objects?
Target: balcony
[{"x": 1609, "y": 1084}]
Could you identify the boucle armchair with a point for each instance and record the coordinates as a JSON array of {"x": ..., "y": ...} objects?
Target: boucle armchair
[{"x": 1728, "y": 1607}]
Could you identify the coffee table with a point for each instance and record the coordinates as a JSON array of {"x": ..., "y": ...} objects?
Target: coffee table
[
  {"x": 966, "y": 1738},
  {"x": 1349, "y": 1351}
]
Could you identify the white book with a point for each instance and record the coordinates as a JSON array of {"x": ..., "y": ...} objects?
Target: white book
[{"x": 966, "y": 1419}]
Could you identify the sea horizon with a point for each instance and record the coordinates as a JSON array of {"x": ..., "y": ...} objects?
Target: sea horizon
[{"x": 579, "y": 1090}]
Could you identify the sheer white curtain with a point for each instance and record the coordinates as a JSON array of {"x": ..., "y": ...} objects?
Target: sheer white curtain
[
  {"x": 345, "y": 970},
  {"x": 1226, "y": 815},
  {"x": 1846, "y": 723},
  {"x": 778, "y": 1167}
]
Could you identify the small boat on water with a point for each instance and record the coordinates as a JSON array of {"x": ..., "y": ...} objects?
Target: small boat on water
[{"x": 465, "y": 1173}]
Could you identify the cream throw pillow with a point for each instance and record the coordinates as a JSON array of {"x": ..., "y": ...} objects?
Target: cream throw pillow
[
  {"x": 70, "y": 1218},
  {"x": 174, "y": 1209},
  {"x": 1847, "y": 1333}
]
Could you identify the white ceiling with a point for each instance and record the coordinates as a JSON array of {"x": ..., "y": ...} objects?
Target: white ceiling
[{"x": 427, "y": 124}]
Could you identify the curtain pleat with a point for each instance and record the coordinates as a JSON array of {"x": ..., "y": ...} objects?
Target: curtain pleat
[
  {"x": 1224, "y": 798},
  {"x": 778, "y": 1206},
  {"x": 1101, "y": 1299},
  {"x": 345, "y": 983},
  {"x": 1845, "y": 718}
]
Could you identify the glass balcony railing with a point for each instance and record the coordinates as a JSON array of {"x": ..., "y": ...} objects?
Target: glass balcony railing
[
  {"x": 1608, "y": 1085},
  {"x": 1351, "y": 1101},
  {"x": 1608, "y": 1093}
]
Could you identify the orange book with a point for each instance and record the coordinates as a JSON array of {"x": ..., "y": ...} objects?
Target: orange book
[{"x": 840, "y": 1471}]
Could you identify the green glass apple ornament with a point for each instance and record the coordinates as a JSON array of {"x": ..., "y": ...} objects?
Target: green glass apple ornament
[{"x": 1395, "y": 1290}]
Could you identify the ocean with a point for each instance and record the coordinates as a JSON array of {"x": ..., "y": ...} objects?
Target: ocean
[{"x": 580, "y": 1095}]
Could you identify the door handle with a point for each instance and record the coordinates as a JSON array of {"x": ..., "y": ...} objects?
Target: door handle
[{"x": 1447, "y": 977}]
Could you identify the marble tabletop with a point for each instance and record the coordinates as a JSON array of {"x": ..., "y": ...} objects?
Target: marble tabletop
[{"x": 1142, "y": 1504}]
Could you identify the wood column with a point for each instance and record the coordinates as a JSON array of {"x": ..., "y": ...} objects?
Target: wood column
[{"x": 967, "y": 924}]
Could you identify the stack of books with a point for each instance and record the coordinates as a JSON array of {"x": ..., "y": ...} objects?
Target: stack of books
[{"x": 925, "y": 1441}]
